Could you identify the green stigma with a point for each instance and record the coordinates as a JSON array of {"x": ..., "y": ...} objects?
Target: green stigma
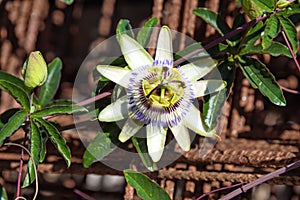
[{"x": 164, "y": 87}]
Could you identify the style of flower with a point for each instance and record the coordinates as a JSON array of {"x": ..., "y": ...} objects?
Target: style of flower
[{"x": 159, "y": 95}]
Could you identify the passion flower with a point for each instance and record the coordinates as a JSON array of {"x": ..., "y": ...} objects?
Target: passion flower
[{"x": 159, "y": 95}]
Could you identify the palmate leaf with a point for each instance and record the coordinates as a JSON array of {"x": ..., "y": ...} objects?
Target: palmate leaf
[
  {"x": 145, "y": 188},
  {"x": 57, "y": 140},
  {"x": 213, "y": 19},
  {"x": 13, "y": 124},
  {"x": 58, "y": 109},
  {"x": 49, "y": 88},
  {"x": 35, "y": 148},
  {"x": 100, "y": 147},
  {"x": 17, "y": 93},
  {"x": 144, "y": 34},
  {"x": 267, "y": 5},
  {"x": 140, "y": 145},
  {"x": 290, "y": 31},
  {"x": 15, "y": 80},
  {"x": 275, "y": 49},
  {"x": 213, "y": 103},
  {"x": 292, "y": 10},
  {"x": 260, "y": 77},
  {"x": 271, "y": 31}
]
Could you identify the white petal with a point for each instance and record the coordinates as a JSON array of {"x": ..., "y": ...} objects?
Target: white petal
[
  {"x": 199, "y": 68},
  {"x": 194, "y": 122},
  {"x": 115, "y": 111},
  {"x": 181, "y": 134},
  {"x": 130, "y": 128},
  {"x": 164, "y": 49},
  {"x": 118, "y": 75},
  {"x": 205, "y": 87},
  {"x": 156, "y": 138},
  {"x": 135, "y": 55}
]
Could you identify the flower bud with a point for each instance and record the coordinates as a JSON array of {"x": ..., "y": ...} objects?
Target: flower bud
[{"x": 34, "y": 70}]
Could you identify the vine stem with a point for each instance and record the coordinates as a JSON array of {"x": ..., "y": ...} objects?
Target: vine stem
[
  {"x": 261, "y": 180},
  {"x": 220, "y": 39},
  {"x": 220, "y": 189},
  {"x": 34, "y": 166},
  {"x": 290, "y": 48}
]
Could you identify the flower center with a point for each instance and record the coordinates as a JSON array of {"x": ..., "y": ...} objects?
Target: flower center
[
  {"x": 159, "y": 95},
  {"x": 165, "y": 88}
]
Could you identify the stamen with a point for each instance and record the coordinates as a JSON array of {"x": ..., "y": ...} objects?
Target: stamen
[{"x": 159, "y": 95}]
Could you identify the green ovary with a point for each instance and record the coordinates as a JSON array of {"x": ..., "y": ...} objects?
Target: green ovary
[{"x": 164, "y": 88}]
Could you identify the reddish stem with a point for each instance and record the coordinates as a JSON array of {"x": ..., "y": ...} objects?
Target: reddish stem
[
  {"x": 83, "y": 195},
  {"x": 93, "y": 99},
  {"x": 220, "y": 189},
  {"x": 220, "y": 39},
  {"x": 291, "y": 49},
  {"x": 261, "y": 180}
]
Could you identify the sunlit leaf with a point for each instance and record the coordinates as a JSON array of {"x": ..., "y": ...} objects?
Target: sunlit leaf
[
  {"x": 293, "y": 10},
  {"x": 213, "y": 103},
  {"x": 15, "y": 80},
  {"x": 57, "y": 140},
  {"x": 17, "y": 93},
  {"x": 35, "y": 148},
  {"x": 144, "y": 34},
  {"x": 100, "y": 146},
  {"x": 275, "y": 49},
  {"x": 145, "y": 188},
  {"x": 140, "y": 145},
  {"x": 290, "y": 31},
  {"x": 260, "y": 77},
  {"x": 12, "y": 125},
  {"x": 49, "y": 88},
  {"x": 57, "y": 110},
  {"x": 271, "y": 31}
]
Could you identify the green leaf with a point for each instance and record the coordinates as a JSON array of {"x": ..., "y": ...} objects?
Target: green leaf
[
  {"x": 68, "y": 2},
  {"x": 60, "y": 102},
  {"x": 275, "y": 49},
  {"x": 260, "y": 77},
  {"x": 57, "y": 140},
  {"x": 271, "y": 31},
  {"x": 4, "y": 117},
  {"x": 48, "y": 90},
  {"x": 3, "y": 194},
  {"x": 267, "y": 5},
  {"x": 58, "y": 110},
  {"x": 15, "y": 80},
  {"x": 293, "y": 10},
  {"x": 145, "y": 188},
  {"x": 213, "y": 19},
  {"x": 44, "y": 139},
  {"x": 290, "y": 31},
  {"x": 213, "y": 103},
  {"x": 17, "y": 93},
  {"x": 12, "y": 125},
  {"x": 35, "y": 148},
  {"x": 140, "y": 145},
  {"x": 144, "y": 34},
  {"x": 124, "y": 27},
  {"x": 100, "y": 146}
]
